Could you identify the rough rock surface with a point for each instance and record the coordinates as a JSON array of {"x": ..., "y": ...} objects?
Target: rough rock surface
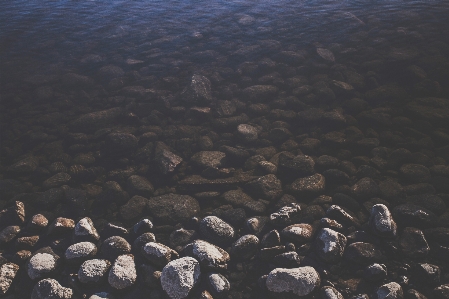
[
  {"x": 180, "y": 276},
  {"x": 301, "y": 281}
]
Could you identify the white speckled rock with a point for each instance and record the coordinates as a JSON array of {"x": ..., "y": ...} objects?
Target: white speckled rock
[
  {"x": 93, "y": 271},
  {"x": 381, "y": 221},
  {"x": 180, "y": 276},
  {"x": 218, "y": 284},
  {"x": 41, "y": 264},
  {"x": 390, "y": 290},
  {"x": 102, "y": 295},
  {"x": 123, "y": 272},
  {"x": 8, "y": 272},
  {"x": 209, "y": 255},
  {"x": 298, "y": 233},
  {"x": 301, "y": 281},
  {"x": 286, "y": 215},
  {"x": 330, "y": 245},
  {"x": 80, "y": 251},
  {"x": 50, "y": 289},
  {"x": 216, "y": 230},
  {"x": 158, "y": 253},
  {"x": 85, "y": 231}
]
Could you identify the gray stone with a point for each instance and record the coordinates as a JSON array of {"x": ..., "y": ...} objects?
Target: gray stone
[
  {"x": 37, "y": 223},
  {"x": 123, "y": 272},
  {"x": 198, "y": 92},
  {"x": 286, "y": 215},
  {"x": 381, "y": 221},
  {"x": 330, "y": 245},
  {"x": 172, "y": 208},
  {"x": 362, "y": 253},
  {"x": 9, "y": 233},
  {"x": 180, "y": 276},
  {"x": 216, "y": 230},
  {"x": 50, "y": 289},
  {"x": 93, "y": 271},
  {"x": 309, "y": 186},
  {"x": 375, "y": 272},
  {"x": 245, "y": 247},
  {"x": 415, "y": 173},
  {"x": 165, "y": 159},
  {"x": 267, "y": 187},
  {"x": 328, "y": 292},
  {"x": 138, "y": 185},
  {"x": 143, "y": 239},
  {"x": 298, "y": 233},
  {"x": 14, "y": 215},
  {"x": 158, "y": 254},
  {"x": 204, "y": 159},
  {"x": 413, "y": 243},
  {"x": 134, "y": 208},
  {"x": 218, "y": 285},
  {"x": 114, "y": 246},
  {"x": 247, "y": 133},
  {"x": 391, "y": 290},
  {"x": 24, "y": 166},
  {"x": 209, "y": 256},
  {"x": 301, "y": 281},
  {"x": 42, "y": 264},
  {"x": 85, "y": 231},
  {"x": 80, "y": 251}
]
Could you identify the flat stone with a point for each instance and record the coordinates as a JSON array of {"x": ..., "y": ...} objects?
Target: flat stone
[{"x": 301, "y": 281}]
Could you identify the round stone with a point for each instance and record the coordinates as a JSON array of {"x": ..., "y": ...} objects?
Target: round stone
[
  {"x": 180, "y": 276},
  {"x": 301, "y": 281}
]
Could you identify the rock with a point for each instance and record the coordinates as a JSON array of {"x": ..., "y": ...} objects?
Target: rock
[
  {"x": 310, "y": 186},
  {"x": 413, "y": 243},
  {"x": 328, "y": 292},
  {"x": 172, "y": 208},
  {"x": 115, "y": 246},
  {"x": 198, "y": 92},
  {"x": 375, "y": 272},
  {"x": 298, "y": 233},
  {"x": 165, "y": 160},
  {"x": 80, "y": 251},
  {"x": 57, "y": 180},
  {"x": 158, "y": 254},
  {"x": 301, "y": 281},
  {"x": 414, "y": 294},
  {"x": 216, "y": 230},
  {"x": 24, "y": 166},
  {"x": 204, "y": 159},
  {"x": 143, "y": 239},
  {"x": 218, "y": 285},
  {"x": 415, "y": 173},
  {"x": 330, "y": 245},
  {"x": 381, "y": 221},
  {"x": 342, "y": 216},
  {"x": 182, "y": 237},
  {"x": 14, "y": 215},
  {"x": 441, "y": 292},
  {"x": 365, "y": 188},
  {"x": 391, "y": 290},
  {"x": 43, "y": 264},
  {"x": 102, "y": 295},
  {"x": 149, "y": 276},
  {"x": 120, "y": 144},
  {"x": 326, "y": 54},
  {"x": 427, "y": 274},
  {"x": 85, "y": 231},
  {"x": 435, "y": 110},
  {"x": 271, "y": 239},
  {"x": 286, "y": 215},
  {"x": 414, "y": 216},
  {"x": 138, "y": 185},
  {"x": 362, "y": 253},
  {"x": 61, "y": 226},
  {"x": 50, "y": 288},
  {"x": 93, "y": 271},
  {"x": 209, "y": 256},
  {"x": 247, "y": 133},
  {"x": 180, "y": 276},
  {"x": 9, "y": 233},
  {"x": 8, "y": 273},
  {"x": 266, "y": 187},
  {"x": 260, "y": 93},
  {"x": 37, "y": 223},
  {"x": 134, "y": 208},
  {"x": 256, "y": 225},
  {"x": 143, "y": 226},
  {"x": 245, "y": 247},
  {"x": 123, "y": 272},
  {"x": 289, "y": 259}
]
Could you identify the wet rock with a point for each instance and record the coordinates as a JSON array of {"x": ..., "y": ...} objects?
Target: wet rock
[
  {"x": 342, "y": 216},
  {"x": 301, "y": 281},
  {"x": 309, "y": 186},
  {"x": 180, "y": 276},
  {"x": 414, "y": 216},
  {"x": 390, "y": 290},
  {"x": 43, "y": 264},
  {"x": 138, "y": 185},
  {"x": 381, "y": 221},
  {"x": 218, "y": 285},
  {"x": 298, "y": 233},
  {"x": 198, "y": 92},
  {"x": 172, "y": 208},
  {"x": 204, "y": 159},
  {"x": 134, "y": 208},
  {"x": 415, "y": 173},
  {"x": 209, "y": 256},
  {"x": 297, "y": 166},
  {"x": 413, "y": 243},
  {"x": 216, "y": 230},
  {"x": 362, "y": 253},
  {"x": 123, "y": 272},
  {"x": 165, "y": 160},
  {"x": 85, "y": 231},
  {"x": 245, "y": 247},
  {"x": 271, "y": 239},
  {"x": 330, "y": 245},
  {"x": 286, "y": 215},
  {"x": 79, "y": 252},
  {"x": 93, "y": 271},
  {"x": 158, "y": 254},
  {"x": 328, "y": 292},
  {"x": 8, "y": 273},
  {"x": 260, "y": 93},
  {"x": 50, "y": 288},
  {"x": 24, "y": 166},
  {"x": 375, "y": 272},
  {"x": 120, "y": 144},
  {"x": 247, "y": 133},
  {"x": 266, "y": 187},
  {"x": 435, "y": 110},
  {"x": 114, "y": 246},
  {"x": 96, "y": 120},
  {"x": 9, "y": 233},
  {"x": 13, "y": 215}
]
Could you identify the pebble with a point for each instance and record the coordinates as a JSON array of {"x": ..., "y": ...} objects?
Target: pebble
[
  {"x": 93, "y": 271},
  {"x": 123, "y": 272},
  {"x": 80, "y": 251},
  {"x": 180, "y": 276},
  {"x": 41, "y": 265},
  {"x": 209, "y": 256},
  {"x": 158, "y": 254},
  {"x": 330, "y": 245},
  {"x": 218, "y": 285},
  {"x": 50, "y": 288},
  {"x": 61, "y": 226},
  {"x": 375, "y": 272},
  {"x": 298, "y": 233},
  {"x": 286, "y": 215},
  {"x": 391, "y": 290},
  {"x": 328, "y": 292},
  {"x": 8, "y": 272},
  {"x": 216, "y": 230},
  {"x": 37, "y": 223},
  {"x": 85, "y": 231},
  {"x": 381, "y": 221},
  {"x": 245, "y": 247},
  {"x": 300, "y": 281},
  {"x": 115, "y": 246},
  {"x": 143, "y": 239},
  {"x": 362, "y": 253}
]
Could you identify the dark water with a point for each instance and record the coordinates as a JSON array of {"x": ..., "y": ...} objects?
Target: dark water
[{"x": 360, "y": 86}]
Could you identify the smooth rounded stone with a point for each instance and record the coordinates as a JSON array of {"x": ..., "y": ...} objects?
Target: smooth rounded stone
[
  {"x": 102, "y": 295},
  {"x": 391, "y": 290},
  {"x": 328, "y": 292},
  {"x": 431, "y": 202},
  {"x": 9, "y": 233},
  {"x": 180, "y": 276},
  {"x": 427, "y": 274},
  {"x": 93, "y": 271},
  {"x": 360, "y": 296},
  {"x": 218, "y": 285},
  {"x": 336, "y": 176},
  {"x": 37, "y": 223},
  {"x": 260, "y": 93},
  {"x": 138, "y": 185},
  {"x": 375, "y": 272},
  {"x": 111, "y": 230},
  {"x": 235, "y": 217},
  {"x": 50, "y": 289},
  {"x": 267, "y": 187},
  {"x": 381, "y": 221},
  {"x": 265, "y": 167},
  {"x": 85, "y": 231},
  {"x": 247, "y": 132},
  {"x": 143, "y": 226},
  {"x": 414, "y": 216},
  {"x": 286, "y": 215},
  {"x": 413, "y": 243},
  {"x": 114, "y": 246},
  {"x": 61, "y": 226},
  {"x": 42, "y": 264},
  {"x": 49, "y": 198},
  {"x": 441, "y": 292},
  {"x": 415, "y": 173},
  {"x": 134, "y": 208},
  {"x": 158, "y": 254},
  {"x": 245, "y": 247},
  {"x": 14, "y": 215},
  {"x": 216, "y": 230},
  {"x": 182, "y": 237},
  {"x": 289, "y": 259},
  {"x": 172, "y": 208},
  {"x": 301, "y": 281},
  {"x": 141, "y": 240},
  {"x": 330, "y": 223},
  {"x": 80, "y": 251},
  {"x": 210, "y": 256},
  {"x": 298, "y": 233},
  {"x": 362, "y": 253},
  {"x": 123, "y": 272},
  {"x": 149, "y": 276},
  {"x": 271, "y": 239},
  {"x": 309, "y": 186},
  {"x": 204, "y": 159},
  {"x": 236, "y": 198},
  {"x": 57, "y": 180},
  {"x": 120, "y": 144},
  {"x": 365, "y": 188},
  {"x": 342, "y": 216},
  {"x": 25, "y": 166},
  {"x": 8, "y": 273},
  {"x": 414, "y": 294},
  {"x": 330, "y": 245}
]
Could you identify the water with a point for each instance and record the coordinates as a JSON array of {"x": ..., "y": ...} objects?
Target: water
[{"x": 360, "y": 86}]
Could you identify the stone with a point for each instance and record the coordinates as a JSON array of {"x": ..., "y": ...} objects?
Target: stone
[
  {"x": 182, "y": 237},
  {"x": 172, "y": 208},
  {"x": 391, "y": 290},
  {"x": 42, "y": 264},
  {"x": 289, "y": 259},
  {"x": 300, "y": 281},
  {"x": 375, "y": 272},
  {"x": 247, "y": 133},
  {"x": 8, "y": 273},
  {"x": 93, "y": 271},
  {"x": 134, "y": 208},
  {"x": 414, "y": 216},
  {"x": 362, "y": 253},
  {"x": 310, "y": 186},
  {"x": 24, "y": 166},
  {"x": 328, "y": 292},
  {"x": 138, "y": 185},
  {"x": 330, "y": 245},
  {"x": 79, "y": 252},
  {"x": 37, "y": 223},
  {"x": 415, "y": 173},
  {"x": 198, "y": 92},
  {"x": 143, "y": 239},
  {"x": 427, "y": 274},
  {"x": 342, "y": 216},
  {"x": 143, "y": 226},
  {"x": 260, "y": 93},
  {"x": 158, "y": 254},
  {"x": 115, "y": 246},
  {"x": 209, "y": 256},
  {"x": 165, "y": 159},
  {"x": 204, "y": 159},
  {"x": 286, "y": 215},
  {"x": 435, "y": 110},
  {"x": 413, "y": 243},
  {"x": 441, "y": 292},
  {"x": 50, "y": 289},
  {"x": 256, "y": 225},
  {"x": 102, "y": 295},
  {"x": 123, "y": 272},
  {"x": 9, "y": 233},
  {"x": 57, "y": 180},
  {"x": 271, "y": 239},
  {"x": 85, "y": 231},
  {"x": 245, "y": 247},
  {"x": 120, "y": 144},
  {"x": 381, "y": 221},
  {"x": 216, "y": 230},
  {"x": 61, "y": 226},
  {"x": 298, "y": 233},
  {"x": 414, "y": 294},
  {"x": 365, "y": 188},
  {"x": 14, "y": 215},
  {"x": 218, "y": 285},
  {"x": 180, "y": 276}
]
